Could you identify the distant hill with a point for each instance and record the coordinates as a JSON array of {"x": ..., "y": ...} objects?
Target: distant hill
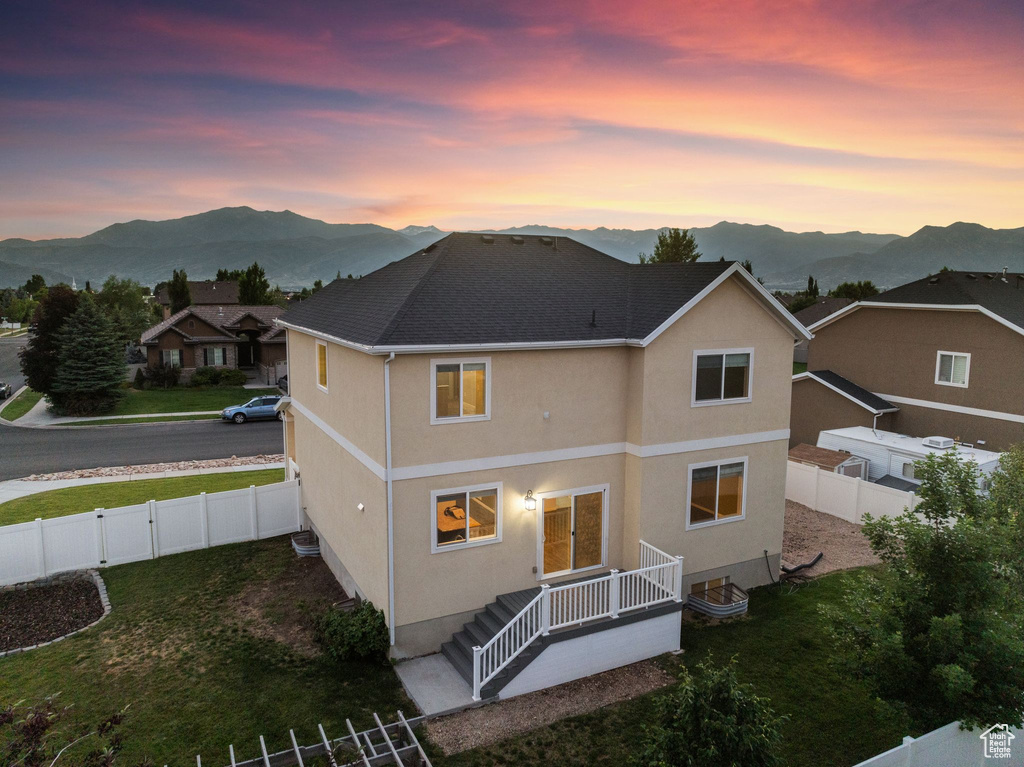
[
  {"x": 296, "y": 250},
  {"x": 16, "y": 275},
  {"x": 926, "y": 251}
]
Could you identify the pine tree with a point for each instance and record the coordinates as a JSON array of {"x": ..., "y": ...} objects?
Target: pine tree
[
  {"x": 178, "y": 291},
  {"x": 39, "y": 357},
  {"x": 253, "y": 287},
  {"x": 90, "y": 370}
]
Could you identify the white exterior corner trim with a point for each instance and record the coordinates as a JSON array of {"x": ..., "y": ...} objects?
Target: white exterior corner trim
[
  {"x": 781, "y": 314},
  {"x": 926, "y": 307},
  {"x": 810, "y": 376},
  {"x": 345, "y": 444},
  {"x": 996, "y": 414}
]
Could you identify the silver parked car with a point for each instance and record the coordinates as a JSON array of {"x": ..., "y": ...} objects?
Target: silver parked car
[{"x": 5, "y": 390}]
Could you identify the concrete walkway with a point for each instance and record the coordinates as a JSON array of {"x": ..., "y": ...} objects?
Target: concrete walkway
[
  {"x": 40, "y": 418},
  {"x": 434, "y": 684},
  {"x": 18, "y": 488}
]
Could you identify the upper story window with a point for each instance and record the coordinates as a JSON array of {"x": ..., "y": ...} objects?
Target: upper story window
[
  {"x": 321, "y": 365},
  {"x": 460, "y": 390},
  {"x": 465, "y": 516},
  {"x": 722, "y": 375},
  {"x": 718, "y": 492},
  {"x": 952, "y": 369}
]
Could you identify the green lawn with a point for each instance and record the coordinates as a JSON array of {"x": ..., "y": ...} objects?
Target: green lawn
[
  {"x": 799, "y": 367},
  {"x": 185, "y": 399},
  {"x": 21, "y": 405},
  {"x": 782, "y": 650},
  {"x": 190, "y": 645},
  {"x": 143, "y": 419},
  {"x": 110, "y": 495}
]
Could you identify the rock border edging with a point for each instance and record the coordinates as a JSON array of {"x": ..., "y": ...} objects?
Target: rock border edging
[{"x": 101, "y": 588}]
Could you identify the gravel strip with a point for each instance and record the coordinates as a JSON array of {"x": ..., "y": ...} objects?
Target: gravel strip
[
  {"x": 807, "y": 532},
  {"x": 497, "y": 721},
  {"x": 36, "y": 615},
  {"x": 155, "y": 468}
]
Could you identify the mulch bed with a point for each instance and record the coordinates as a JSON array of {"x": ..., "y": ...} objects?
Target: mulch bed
[{"x": 40, "y": 614}]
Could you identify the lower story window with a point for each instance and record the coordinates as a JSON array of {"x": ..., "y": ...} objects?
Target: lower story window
[
  {"x": 717, "y": 492},
  {"x": 466, "y": 516},
  {"x": 214, "y": 355},
  {"x": 171, "y": 357}
]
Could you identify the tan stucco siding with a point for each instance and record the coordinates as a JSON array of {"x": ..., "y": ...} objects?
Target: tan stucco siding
[
  {"x": 893, "y": 351},
  {"x": 430, "y": 585},
  {"x": 728, "y": 318},
  {"x": 584, "y": 392},
  {"x": 333, "y": 484},
  {"x": 665, "y": 485},
  {"x": 996, "y": 434},
  {"x": 817, "y": 407},
  {"x": 353, "y": 404}
]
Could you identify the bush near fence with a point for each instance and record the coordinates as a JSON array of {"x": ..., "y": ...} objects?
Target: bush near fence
[
  {"x": 848, "y": 498},
  {"x": 105, "y": 537}
]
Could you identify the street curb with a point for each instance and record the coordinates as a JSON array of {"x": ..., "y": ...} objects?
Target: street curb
[{"x": 7, "y": 402}]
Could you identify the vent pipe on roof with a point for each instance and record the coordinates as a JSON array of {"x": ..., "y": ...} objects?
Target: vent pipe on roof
[
  {"x": 593, "y": 318},
  {"x": 1003, "y": 278}
]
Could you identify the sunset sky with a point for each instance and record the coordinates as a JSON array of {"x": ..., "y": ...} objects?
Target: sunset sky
[{"x": 833, "y": 115}]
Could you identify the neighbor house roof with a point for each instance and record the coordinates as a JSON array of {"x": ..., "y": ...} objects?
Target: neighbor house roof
[
  {"x": 994, "y": 294},
  {"x": 208, "y": 292},
  {"x": 825, "y": 306},
  {"x": 850, "y": 390},
  {"x": 473, "y": 290},
  {"x": 819, "y": 456},
  {"x": 221, "y": 318}
]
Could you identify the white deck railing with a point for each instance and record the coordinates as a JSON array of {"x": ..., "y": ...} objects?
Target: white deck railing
[{"x": 659, "y": 580}]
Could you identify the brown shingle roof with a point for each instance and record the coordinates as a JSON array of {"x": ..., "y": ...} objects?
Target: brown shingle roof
[
  {"x": 819, "y": 456},
  {"x": 205, "y": 292},
  {"x": 823, "y": 308},
  {"x": 220, "y": 318}
]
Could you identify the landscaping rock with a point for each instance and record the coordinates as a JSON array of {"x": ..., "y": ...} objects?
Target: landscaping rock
[{"x": 156, "y": 468}]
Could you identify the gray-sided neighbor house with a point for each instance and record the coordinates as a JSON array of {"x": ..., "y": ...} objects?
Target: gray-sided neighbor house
[{"x": 530, "y": 454}]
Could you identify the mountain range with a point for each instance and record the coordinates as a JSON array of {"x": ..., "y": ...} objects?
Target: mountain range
[{"x": 296, "y": 250}]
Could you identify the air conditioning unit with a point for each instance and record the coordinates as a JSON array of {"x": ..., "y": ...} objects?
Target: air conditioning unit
[{"x": 939, "y": 443}]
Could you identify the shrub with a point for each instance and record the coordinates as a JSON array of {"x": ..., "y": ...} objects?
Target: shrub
[
  {"x": 164, "y": 376},
  {"x": 711, "y": 719},
  {"x": 359, "y": 633},
  {"x": 206, "y": 377},
  {"x": 231, "y": 377},
  {"x": 140, "y": 380}
]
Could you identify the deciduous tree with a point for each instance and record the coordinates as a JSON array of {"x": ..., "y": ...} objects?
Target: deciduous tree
[
  {"x": 40, "y": 356},
  {"x": 126, "y": 307},
  {"x": 674, "y": 246}
]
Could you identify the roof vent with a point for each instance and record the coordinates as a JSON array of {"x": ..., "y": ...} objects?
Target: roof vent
[
  {"x": 989, "y": 276},
  {"x": 939, "y": 443},
  {"x": 933, "y": 281},
  {"x": 517, "y": 240},
  {"x": 972, "y": 276},
  {"x": 546, "y": 241},
  {"x": 487, "y": 239}
]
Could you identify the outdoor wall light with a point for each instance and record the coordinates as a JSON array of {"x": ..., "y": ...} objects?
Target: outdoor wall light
[
  {"x": 360, "y": 506},
  {"x": 529, "y": 502}
]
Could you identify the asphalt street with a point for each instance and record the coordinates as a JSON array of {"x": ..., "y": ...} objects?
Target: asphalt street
[{"x": 38, "y": 451}]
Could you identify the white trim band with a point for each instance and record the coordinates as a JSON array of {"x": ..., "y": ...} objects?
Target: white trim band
[
  {"x": 1012, "y": 417},
  {"x": 345, "y": 444}
]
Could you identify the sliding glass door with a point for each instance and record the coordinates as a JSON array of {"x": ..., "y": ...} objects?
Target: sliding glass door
[{"x": 573, "y": 530}]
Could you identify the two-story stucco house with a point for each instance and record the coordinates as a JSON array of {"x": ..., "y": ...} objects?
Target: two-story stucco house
[
  {"x": 496, "y": 416},
  {"x": 942, "y": 356}
]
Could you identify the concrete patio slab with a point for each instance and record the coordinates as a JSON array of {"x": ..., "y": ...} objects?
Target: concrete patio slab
[{"x": 434, "y": 684}]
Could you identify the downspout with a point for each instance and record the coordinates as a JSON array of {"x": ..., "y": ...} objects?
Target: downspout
[{"x": 391, "y": 514}]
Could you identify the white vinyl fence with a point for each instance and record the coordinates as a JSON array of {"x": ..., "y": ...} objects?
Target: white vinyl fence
[
  {"x": 106, "y": 537},
  {"x": 950, "y": 746},
  {"x": 848, "y": 498}
]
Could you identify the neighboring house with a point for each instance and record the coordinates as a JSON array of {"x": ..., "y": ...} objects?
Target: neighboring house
[
  {"x": 203, "y": 293},
  {"x": 496, "y": 414},
  {"x": 890, "y": 457},
  {"x": 814, "y": 313},
  {"x": 220, "y": 336},
  {"x": 945, "y": 352}
]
